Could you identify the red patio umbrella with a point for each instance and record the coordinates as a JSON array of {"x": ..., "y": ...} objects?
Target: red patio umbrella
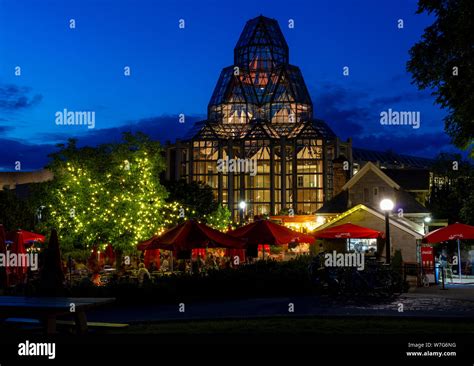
[
  {"x": 347, "y": 231},
  {"x": 451, "y": 232},
  {"x": 455, "y": 231},
  {"x": 18, "y": 247},
  {"x": 96, "y": 259},
  {"x": 267, "y": 232},
  {"x": 109, "y": 254},
  {"x": 3, "y": 251},
  {"x": 27, "y": 236},
  {"x": 152, "y": 256},
  {"x": 198, "y": 253},
  {"x": 190, "y": 235}
]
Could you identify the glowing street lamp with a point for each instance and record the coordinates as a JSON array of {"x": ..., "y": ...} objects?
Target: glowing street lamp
[
  {"x": 386, "y": 205},
  {"x": 427, "y": 223},
  {"x": 242, "y": 206}
]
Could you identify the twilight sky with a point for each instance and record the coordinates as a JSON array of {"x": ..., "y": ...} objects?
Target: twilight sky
[{"x": 174, "y": 70}]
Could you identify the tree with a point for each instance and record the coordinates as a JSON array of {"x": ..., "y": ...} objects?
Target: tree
[
  {"x": 452, "y": 189},
  {"x": 196, "y": 196},
  {"x": 220, "y": 219},
  {"x": 467, "y": 210},
  {"x": 109, "y": 194},
  {"x": 15, "y": 212},
  {"x": 443, "y": 62}
]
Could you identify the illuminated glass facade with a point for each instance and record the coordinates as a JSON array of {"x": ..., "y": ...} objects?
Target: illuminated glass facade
[{"x": 260, "y": 128}]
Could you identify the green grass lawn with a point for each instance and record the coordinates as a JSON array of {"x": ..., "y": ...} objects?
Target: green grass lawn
[{"x": 300, "y": 326}]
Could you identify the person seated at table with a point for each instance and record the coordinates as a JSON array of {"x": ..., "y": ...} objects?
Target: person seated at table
[
  {"x": 195, "y": 265},
  {"x": 143, "y": 274},
  {"x": 165, "y": 265},
  {"x": 201, "y": 263},
  {"x": 80, "y": 268},
  {"x": 152, "y": 267},
  {"x": 181, "y": 265},
  {"x": 211, "y": 262},
  {"x": 187, "y": 266},
  {"x": 96, "y": 279}
]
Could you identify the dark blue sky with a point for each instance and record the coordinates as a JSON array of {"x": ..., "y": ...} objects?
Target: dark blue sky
[{"x": 174, "y": 70}]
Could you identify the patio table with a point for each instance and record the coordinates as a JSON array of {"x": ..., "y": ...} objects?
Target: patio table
[{"x": 47, "y": 309}]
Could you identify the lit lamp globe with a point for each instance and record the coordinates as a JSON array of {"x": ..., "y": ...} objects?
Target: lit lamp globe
[
  {"x": 428, "y": 219},
  {"x": 386, "y": 204},
  {"x": 242, "y": 205}
]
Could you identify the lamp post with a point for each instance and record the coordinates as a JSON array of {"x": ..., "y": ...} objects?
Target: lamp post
[
  {"x": 386, "y": 205},
  {"x": 242, "y": 206},
  {"x": 427, "y": 223}
]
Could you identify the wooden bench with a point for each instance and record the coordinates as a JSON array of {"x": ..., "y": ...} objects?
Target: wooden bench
[{"x": 47, "y": 309}]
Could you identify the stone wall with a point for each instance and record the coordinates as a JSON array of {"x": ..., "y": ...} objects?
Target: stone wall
[{"x": 10, "y": 179}]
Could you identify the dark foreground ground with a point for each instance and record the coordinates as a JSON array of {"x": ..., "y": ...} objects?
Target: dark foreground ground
[
  {"x": 421, "y": 303},
  {"x": 425, "y": 320},
  {"x": 301, "y": 326}
]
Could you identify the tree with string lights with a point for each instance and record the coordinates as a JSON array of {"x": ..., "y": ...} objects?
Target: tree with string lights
[{"x": 110, "y": 194}]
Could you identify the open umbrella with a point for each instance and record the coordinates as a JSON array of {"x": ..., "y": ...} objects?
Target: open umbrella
[
  {"x": 348, "y": 231},
  {"x": 109, "y": 254},
  {"x": 152, "y": 256},
  {"x": 267, "y": 232},
  {"x": 18, "y": 248},
  {"x": 455, "y": 231},
  {"x": 95, "y": 260},
  {"x": 190, "y": 235},
  {"x": 3, "y": 251},
  {"x": 27, "y": 236}
]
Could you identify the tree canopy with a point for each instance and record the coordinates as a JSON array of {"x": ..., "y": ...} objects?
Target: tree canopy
[
  {"x": 452, "y": 191},
  {"x": 110, "y": 193},
  {"x": 443, "y": 61}
]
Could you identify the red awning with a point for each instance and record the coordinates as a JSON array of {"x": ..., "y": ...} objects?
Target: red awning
[
  {"x": 190, "y": 235},
  {"x": 267, "y": 232},
  {"x": 450, "y": 232},
  {"x": 347, "y": 231}
]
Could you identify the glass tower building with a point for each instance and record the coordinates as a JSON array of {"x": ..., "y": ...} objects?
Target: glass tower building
[{"x": 260, "y": 115}]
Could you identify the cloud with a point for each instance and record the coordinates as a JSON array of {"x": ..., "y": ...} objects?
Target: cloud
[
  {"x": 355, "y": 113},
  {"x": 336, "y": 105},
  {"x": 400, "y": 98},
  {"x": 162, "y": 128},
  {"x": 417, "y": 144},
  {"x": 13, "y": 98},
  {"x": 4, "y": 129},
  {"x": 30, "y": 156}
]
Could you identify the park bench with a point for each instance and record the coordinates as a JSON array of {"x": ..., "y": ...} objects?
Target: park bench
[{"x": 47, "y": 309}]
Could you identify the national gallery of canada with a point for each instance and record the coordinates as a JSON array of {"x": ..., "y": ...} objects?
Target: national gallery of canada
[{"x": 260, "y": 143}]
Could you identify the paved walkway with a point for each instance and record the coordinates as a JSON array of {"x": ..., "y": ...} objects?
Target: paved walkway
[{"x": 456, "y": 302}]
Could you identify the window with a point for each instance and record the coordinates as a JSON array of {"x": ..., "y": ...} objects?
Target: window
[
  {"x": 376, "y": 192},
  {"x": 362, "y": 245},
  {"x": 300, "y": 181}
]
